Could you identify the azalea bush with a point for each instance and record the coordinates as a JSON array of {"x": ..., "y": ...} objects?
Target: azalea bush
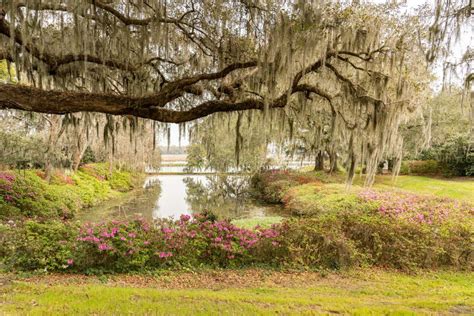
[
  {"x": 192, "y": 242},
  {"x": 121, "y": 246},
  {"x": 27, "y": 194},
  {"x": 120, "y": 180},
  {"x": 418, "y": 208},
  {"x": 314, "y": 199},
  {"x": 30, "y": 196},
  {"x": 397, "y": 229},
  {"x": 359, "y": 239},
  {"x": 33, "y": 245},
  {"x": 331, "y": 240},
  {"x": 271, "y": 186}
]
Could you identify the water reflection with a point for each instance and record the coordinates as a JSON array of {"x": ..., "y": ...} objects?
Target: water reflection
[
  {"x": 165, "y": 196},
  {"x": 172, "y": 201}
]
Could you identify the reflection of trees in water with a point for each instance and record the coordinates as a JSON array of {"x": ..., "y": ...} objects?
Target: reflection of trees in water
[
  {"x": 223, "y": 195},
  {"x": 144, "y": 203},
  {"x": 151, "y": 182},
  {"x": 141, "y": 204}
]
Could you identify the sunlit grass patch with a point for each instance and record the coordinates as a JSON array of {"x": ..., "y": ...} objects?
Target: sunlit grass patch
[{"x": 257, "y": 221}]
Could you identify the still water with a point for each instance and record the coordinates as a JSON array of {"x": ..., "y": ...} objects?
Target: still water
[{"x": 165, "y": 196}]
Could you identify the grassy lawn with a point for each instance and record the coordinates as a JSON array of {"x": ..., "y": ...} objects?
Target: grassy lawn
[
  {"x": 459, "y": 188},
  {"x": 249, "y": 292},
  {"x": 455, "y": 188}
]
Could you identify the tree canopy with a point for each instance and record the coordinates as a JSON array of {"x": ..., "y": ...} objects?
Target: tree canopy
[{"x": 177, "y": 61}]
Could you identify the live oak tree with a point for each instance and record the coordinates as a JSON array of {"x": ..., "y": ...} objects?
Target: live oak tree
[{"x": 178, "y": 61}]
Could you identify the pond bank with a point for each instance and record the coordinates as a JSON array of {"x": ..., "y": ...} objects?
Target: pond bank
[
  {"x": 119, "y": 205},
  {"x": 334, "y": 230},
  {"x": 25, "y": 193}
]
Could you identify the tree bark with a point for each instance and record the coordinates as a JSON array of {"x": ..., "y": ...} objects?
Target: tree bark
[
  {"x": 81, "y": 143},
  {"x": 332, "y": 161},
  {"x": 77, "y": 155},
  {"x": 319, "y": 161},
  {"x": 53, "y": 137},
  {"x": 56, "y": 102},
  {"x": 352, "y": 162},
  {"x": 150, "y": 107}
]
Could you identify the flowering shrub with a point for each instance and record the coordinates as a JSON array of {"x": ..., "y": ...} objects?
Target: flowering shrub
[
  {"x": 6, "y": 178},
  {"x": 7, "y": 194},
  {"x": 123, "y": 246},
  {"x": 339, "y": 240},
  {"x": 100, "y": 173},
  {"x": 272, "y": 185},
  {"x": 32, "y": 197},
  {"x": 314, "y": 199},
  {"x": 114, "y": 245},
  {"x": 418, "y": 208},
  {"x": 6, "y": 186},
  {"x": 391, "y": 229},
  {"x": 26, "y": 194},
  {"x": 353, "y": 238},
  {"x": 58, "y": 177}
]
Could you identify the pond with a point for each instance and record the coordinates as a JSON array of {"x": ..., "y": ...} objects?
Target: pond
[{"x": 169, "y": 196}]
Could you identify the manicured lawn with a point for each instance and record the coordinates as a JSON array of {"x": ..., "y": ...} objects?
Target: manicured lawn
[
  {"x": 246, "y": 292},
  {"x": 455, "y": 188},
  {"x": 459, "y": 188}
]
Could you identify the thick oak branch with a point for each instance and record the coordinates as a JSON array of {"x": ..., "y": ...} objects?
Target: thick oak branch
[{"x": 56, "y": 102}]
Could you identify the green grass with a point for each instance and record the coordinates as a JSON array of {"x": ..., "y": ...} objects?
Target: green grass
[
  {"x": 357, "y": 292},
  {"x": 254, "y": 221},
  {"x": 455, "y": 188},
  {"x": 459, "y": 188}
]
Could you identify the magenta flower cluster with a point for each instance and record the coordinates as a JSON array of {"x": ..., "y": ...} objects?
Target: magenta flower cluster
[
  {"x": 416, "y": 208},
  {"x": 188, "y": 239},
  {"x": 6, "y": 186},
  {"x": 113, "y": 237},
  {"x": 7, "y": 177}
]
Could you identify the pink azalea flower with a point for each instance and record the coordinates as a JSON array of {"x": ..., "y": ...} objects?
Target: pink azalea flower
[
  {"x": 165, "y": 254},
  {"x": 103, "y": 247},
  {"x": 184, "y": 217}
]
